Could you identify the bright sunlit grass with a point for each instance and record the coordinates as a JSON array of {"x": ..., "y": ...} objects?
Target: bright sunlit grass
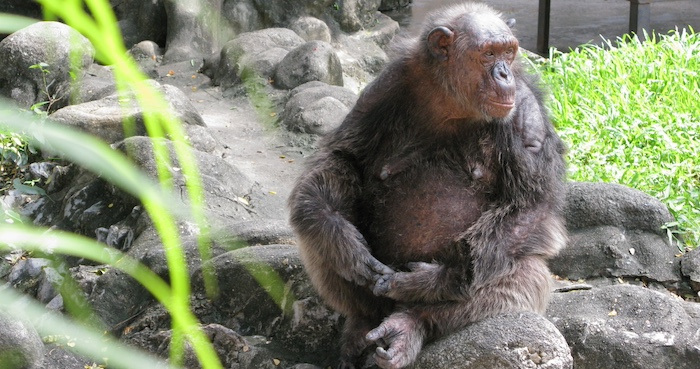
[{"x": 629, "y": 113}]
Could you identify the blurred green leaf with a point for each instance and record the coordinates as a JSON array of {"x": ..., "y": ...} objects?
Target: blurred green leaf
[
  {"x": 88, "y": 342},
  {"x": 10, "y": 22},
  {"x": 27, "y": 190}
]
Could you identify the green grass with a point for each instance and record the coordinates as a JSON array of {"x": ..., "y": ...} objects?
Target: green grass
[{"x": 629, "y": 113}]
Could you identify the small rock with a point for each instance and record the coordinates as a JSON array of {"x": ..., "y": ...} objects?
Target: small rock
[
  {"x": 27, "y": 274},
  {"x": 86, "y": 275},
  {"x": 148, "y": 55},
  {"x": 690, "y": 266},
  {"x": 56, "y": 304},
  {"x": 121, "y": 234},
  {"x": 310, "y": 29},
  {"x": 47, "y": 290},
  {"x": 54, "y": 177},
  {"x": 304, "y": 366},
  {"x": 322, "y": 116},
  {"x": 353, "y": 15},
  {"x": 394, "y": 4}
]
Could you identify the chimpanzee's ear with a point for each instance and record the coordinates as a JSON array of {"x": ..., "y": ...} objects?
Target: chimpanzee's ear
[
  {"x": 510, "y": 22},
  {"x": 439, "y": 41}
]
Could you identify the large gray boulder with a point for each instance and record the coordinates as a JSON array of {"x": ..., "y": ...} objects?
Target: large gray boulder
[
  {"x": 105, "y": 118},
  {"x": 232, "y": 202},
  {"x": 312, "y": 61},
  {"x": 195, "y": 29},
  {"x": 316, "y": 108},
  {"x": 63, "y": 53},
  {"x": 616, "y": 232},
  {"x": 20, "y": 345},
  {"x": 625, "y": 326},
  {"x": 608, "y": 204},
  {"x": 252, "y": 54},
  {"x": 115, "y": 288},
  {"x": 229, "y": 195},
  {"x": 97, "y": 83},
  {"x": 512, "y": 340},
  {"x": 347, "y": 15}
]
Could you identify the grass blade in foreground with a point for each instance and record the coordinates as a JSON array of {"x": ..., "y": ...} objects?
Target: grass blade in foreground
[
  {"x": 57, "y": 242},
  {"x": 89, "y": 343},
  {"x": 97, "y": 156},
  {"x": 10, "y": 22}
]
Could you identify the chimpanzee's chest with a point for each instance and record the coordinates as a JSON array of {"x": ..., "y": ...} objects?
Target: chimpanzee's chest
[{"x": 414, "y": 211}]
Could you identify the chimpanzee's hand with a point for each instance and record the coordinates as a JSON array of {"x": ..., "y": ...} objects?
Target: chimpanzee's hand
[
  {"x": 367, "y": 270},
  {"x": 409, "y": 286}
]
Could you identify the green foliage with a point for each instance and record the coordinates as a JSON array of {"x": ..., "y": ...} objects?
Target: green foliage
[
  {"x": 14, "y": 150},
  {"x": 95, "y": 20},
  {"x": 630, "y": 114},
  {"x": 43, "y": 107},
  {"x": 11, "y": 22},
  {"x": 256, "y": 89},
  {"x": 15, "y": 153}
]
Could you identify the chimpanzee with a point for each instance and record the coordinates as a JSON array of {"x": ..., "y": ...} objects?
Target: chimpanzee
[{"x": 437, "y": 201}]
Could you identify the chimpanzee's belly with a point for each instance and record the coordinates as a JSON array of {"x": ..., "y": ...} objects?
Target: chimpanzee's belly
[{"x": 415, "y": 215}]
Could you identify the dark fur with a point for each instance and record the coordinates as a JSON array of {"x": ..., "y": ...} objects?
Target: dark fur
[{"x": 423, "y": 212}]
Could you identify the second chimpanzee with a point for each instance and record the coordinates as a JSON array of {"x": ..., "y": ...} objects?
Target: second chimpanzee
[{"x": 437, "y": 201}]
